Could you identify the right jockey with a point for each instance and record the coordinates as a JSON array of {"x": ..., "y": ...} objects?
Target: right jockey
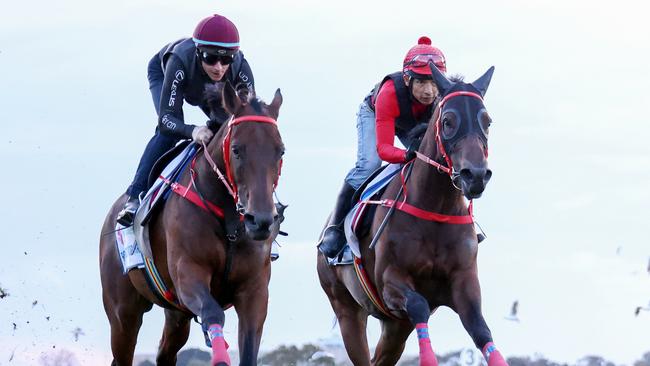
[
  {"x": 396, "y": 105},
  {"x": 178, "y": 73}
]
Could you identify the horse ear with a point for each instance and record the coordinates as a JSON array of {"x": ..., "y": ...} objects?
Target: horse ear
[
  {"x": 481, "y": 84},
  {"x": 274, "y": 107},
  {"x": 231, "y": 101},
  {"x": 441, "y": 80}
]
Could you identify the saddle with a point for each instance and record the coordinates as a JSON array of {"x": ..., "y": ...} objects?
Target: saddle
[
  {"x": 133, "y": 242},
  {"x": 170, "y": 166},
  {"x": 167, "y": 170},
  {"x": 358, "y": 220}
]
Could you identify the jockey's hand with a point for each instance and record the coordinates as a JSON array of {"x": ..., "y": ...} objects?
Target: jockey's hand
[
  {"x": 410, "y": 153},
  {"x": 201, "y": 134}
]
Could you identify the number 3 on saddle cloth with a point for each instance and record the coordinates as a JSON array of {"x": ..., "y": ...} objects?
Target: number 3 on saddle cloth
[{"x": 133, "y": 241}]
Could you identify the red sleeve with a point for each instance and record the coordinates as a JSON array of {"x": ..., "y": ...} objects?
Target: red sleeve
[{"x": 386, "y": 110}]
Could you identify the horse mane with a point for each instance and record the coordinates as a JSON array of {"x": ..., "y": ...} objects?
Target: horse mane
[
  {"x": 257, "y": 105},
  {"x": 456, "y": 78},
  {"x": 213, "y": 94},
  {"x": 417, "y": 132}
]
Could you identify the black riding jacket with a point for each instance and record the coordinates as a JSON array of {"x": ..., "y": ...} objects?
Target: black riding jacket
[{"x": 185, "y": 79}]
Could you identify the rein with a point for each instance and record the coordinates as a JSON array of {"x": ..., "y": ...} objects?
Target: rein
[{"x": 226, "y": 179}]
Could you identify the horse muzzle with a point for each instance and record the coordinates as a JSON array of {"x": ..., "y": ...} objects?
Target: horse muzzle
[
  {"x": 259, "y": 225},
  {"x": 473, "y": 181}
]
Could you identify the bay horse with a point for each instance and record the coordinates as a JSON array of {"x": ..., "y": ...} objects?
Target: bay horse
[
  {"x": 202, "y": 268},
  {"x": 426, "y": 255}
]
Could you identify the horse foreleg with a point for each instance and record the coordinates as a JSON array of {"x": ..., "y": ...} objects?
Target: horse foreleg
[
  {"x": 175, "y": 334},
  {"x": 251, "y": 306},
  {"x": 466, "y": 295},
  {"x": 193, "y": 286}
]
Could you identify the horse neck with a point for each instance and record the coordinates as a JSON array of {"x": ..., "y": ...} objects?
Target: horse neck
[{"x": 430, "y": 189}]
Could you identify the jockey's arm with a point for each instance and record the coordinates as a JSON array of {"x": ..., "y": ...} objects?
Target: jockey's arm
[
  {"x": 170, "y": 120},
  {"x": 386, "y": 111}
]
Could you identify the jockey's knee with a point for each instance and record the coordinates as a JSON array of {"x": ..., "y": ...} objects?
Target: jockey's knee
[{"x": 362, "y": 170}]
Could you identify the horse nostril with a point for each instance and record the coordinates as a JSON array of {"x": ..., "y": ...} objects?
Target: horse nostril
[
  {"x": 275, "y": 218},
  {"x": 249, "y": 219},
  {"x": 466, "y": 174},
  {"x": 488, "y": 175}
]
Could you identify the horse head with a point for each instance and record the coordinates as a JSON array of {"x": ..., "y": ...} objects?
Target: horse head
[
  {"x": 461, "y": 131},
  {"x": 252, "y": 153}
]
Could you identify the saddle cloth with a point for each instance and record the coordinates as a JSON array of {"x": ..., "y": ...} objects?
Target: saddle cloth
[
  {"x": 131, "y": 243},
  {"x": 353, "y": 218}
]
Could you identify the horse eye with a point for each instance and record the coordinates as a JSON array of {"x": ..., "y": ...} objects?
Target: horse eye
[
  {"x": 235, "y": 151},
  {"x": 484, "y": 121}
]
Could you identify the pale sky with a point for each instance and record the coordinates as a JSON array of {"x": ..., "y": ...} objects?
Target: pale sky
[{"x": 568, "y": 148}]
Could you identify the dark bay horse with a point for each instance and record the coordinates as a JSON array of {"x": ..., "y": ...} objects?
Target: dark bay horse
[
  {"x": 205, "y": 271},
  {"x": 426, "y": 255}
]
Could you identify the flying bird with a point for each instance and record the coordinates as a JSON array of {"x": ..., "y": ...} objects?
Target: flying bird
[
  {"x": 639, "y": 308},
  {"x": 76, "y": 333},
  {"x": 513, "y": 312}
]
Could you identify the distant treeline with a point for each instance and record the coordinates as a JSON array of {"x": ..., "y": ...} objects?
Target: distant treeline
[{"x": 310, "y": 354}]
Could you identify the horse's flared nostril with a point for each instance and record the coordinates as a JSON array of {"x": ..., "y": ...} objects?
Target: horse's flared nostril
[
  {"x": 466, "y": 174},
  {"x": 471, "y": 175},
  {"x": 488, "y": 175},
  {"x": 249, "y": 219},
  {"x": 259, "y": 222}
]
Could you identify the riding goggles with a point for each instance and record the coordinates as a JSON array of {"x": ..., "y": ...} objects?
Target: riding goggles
[
  {"x": 211, "y": 59},
  {"x": 423, "y": 60}
]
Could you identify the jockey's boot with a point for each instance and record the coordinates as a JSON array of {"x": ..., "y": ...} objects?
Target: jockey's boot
[
  {"x": 126, "y": 216},
  {"x": 333, "y": 238}
]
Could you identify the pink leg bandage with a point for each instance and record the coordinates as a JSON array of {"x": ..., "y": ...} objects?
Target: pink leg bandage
[
  {"x": 493, "y": 356},
  {"x": 427, "y": 357},
  {"x": 219, "y": 345}
]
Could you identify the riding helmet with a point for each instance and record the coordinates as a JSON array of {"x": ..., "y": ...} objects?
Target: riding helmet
[
  {"x": 217, "y": 32},
  {"x": 416, "y": 61}
]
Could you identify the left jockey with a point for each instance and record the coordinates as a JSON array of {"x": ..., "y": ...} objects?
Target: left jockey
[
  {"x": 396, "y": 105},
  {"x": 180, "y": 71}
]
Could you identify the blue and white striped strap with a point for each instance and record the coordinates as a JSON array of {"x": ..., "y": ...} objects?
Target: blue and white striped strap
[{"x": 219, "y": 44}]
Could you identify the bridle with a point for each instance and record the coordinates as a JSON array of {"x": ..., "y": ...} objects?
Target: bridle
[
  {"x": 228, "y": 179},
  {"x": 449, "y": 168}
]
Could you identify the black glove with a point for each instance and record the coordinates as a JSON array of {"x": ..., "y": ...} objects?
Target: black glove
[{"x": 410, "y": 153}]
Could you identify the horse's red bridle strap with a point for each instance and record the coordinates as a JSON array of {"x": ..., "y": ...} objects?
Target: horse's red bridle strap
[
  {"x": 252, "y": 119},
  {"x": 226, "y": 147},
  {"x": 191, "y": 196},
  {"x": 430, "y": 161},
  {"x": 425, "y": 215}
]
